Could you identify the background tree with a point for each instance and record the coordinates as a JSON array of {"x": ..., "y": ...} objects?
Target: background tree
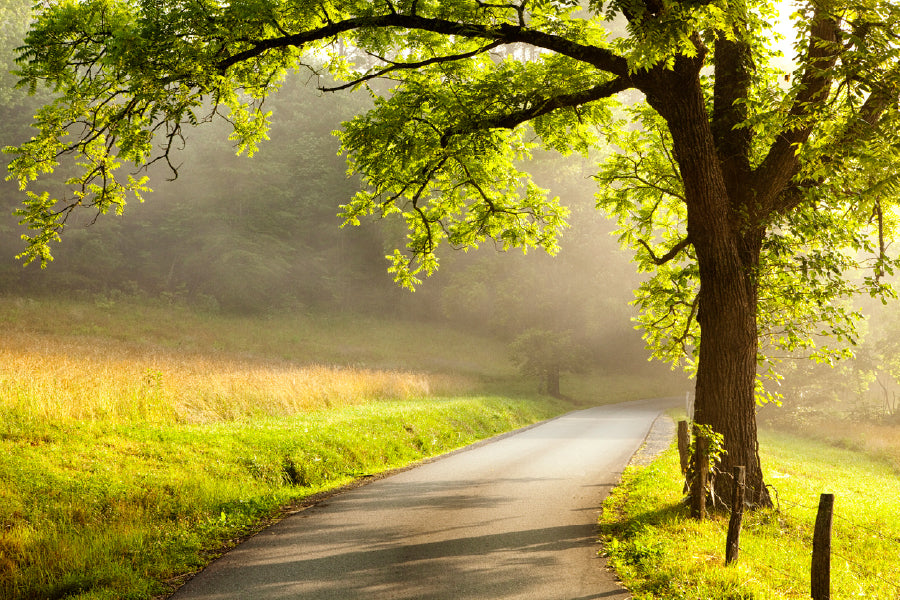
[
  {"x": 750, "y": 194},
  {"x": 585, "y": 288},
  {"x": 546, "y": 354}
]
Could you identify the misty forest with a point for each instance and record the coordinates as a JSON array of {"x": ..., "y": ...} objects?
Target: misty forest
[{"x": 278, "y": 320}]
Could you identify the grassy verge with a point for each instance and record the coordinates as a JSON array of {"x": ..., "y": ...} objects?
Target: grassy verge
[
  {"x": 99, "y": 509},
  {"x": 659, "y": 552}
]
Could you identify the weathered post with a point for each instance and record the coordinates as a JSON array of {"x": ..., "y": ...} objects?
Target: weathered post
[
  {"x": 733, "y": 542},
  {"x": 701, "y": 472},
  {"x": 820, "y": 585}
]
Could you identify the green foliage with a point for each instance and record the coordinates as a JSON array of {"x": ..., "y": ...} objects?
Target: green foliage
[
  {"x": 644, "y": 192},
  {"x": 454, "y": 188},
  {"x": 714, "y": 451},
  {"x": 715, "y": 444}
]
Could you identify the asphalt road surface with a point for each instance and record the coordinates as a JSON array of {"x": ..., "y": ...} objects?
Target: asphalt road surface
[{"x": 513, "y": 518}]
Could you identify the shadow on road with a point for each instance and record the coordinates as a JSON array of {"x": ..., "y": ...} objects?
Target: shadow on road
[
  {"x": 513, "y": 518},
  {"x": 429, "y": 569}
]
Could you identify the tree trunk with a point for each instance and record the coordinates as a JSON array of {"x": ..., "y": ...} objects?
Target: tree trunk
[
  {"x": 727, "y": 246},
  {"x": 726, "y": 374},
  {"x": 552, "y": 380}
]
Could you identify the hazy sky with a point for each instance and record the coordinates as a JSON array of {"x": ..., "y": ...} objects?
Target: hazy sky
[{"x": 785, "y": 28}]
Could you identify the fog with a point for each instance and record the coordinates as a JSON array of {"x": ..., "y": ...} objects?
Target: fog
[
  {"x": 260, "y": 235},
  {"x": 864, "y": 386}
]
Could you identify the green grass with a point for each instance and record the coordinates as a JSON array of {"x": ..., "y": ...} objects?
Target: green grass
[
  {"x": 105, "y": 510},
  {"x": 659, "y": 552}
]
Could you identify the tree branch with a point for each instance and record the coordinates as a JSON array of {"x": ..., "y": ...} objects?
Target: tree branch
[
  {"x": 671, "y": 254},
  {"x": 601, "y": 58},
  {"x": 547, "y": 105},
  {"x": 878, "y": 214},
  {"x": 519, "y": 8},
  {"x": 401, "y": 66},
  {"x": 859, "y": 130},
  {"x": 682, "y": 340},
  {"x": 733, "y": 65},
  {"x": 781, "y": 163}
]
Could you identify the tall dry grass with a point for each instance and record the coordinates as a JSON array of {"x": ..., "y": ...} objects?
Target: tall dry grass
[{"x": 56, "y": 377}]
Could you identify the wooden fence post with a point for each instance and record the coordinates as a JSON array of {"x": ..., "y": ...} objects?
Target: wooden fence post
[
  {"x": 684, "y": 445},
  {"x": 701, "y": 472},
  {"x": 733, "y": 542},
  {"x": 820, "y": 577}
]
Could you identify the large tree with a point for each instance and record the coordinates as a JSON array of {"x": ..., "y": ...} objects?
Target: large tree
[{"x": 748, "y": 189}]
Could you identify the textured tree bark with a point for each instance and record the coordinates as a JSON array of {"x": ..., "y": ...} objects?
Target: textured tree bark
[
  {"x": 726, "y": 371},
  {"x": 727, "y": 244}
]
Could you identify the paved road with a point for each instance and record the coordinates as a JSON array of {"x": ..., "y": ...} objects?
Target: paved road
[{"x": 513, "y": 518}]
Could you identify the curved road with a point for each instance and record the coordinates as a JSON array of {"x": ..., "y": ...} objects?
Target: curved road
[{"x": 512, "y": 518}]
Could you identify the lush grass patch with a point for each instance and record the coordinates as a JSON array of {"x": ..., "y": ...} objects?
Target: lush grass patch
[
  {"x": 56, "y": 377},
  {"x": 659, "y": 552},
  {"x": 99, "y": 509}
]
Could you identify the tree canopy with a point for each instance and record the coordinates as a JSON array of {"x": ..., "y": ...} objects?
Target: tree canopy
[{"x": 753, "y": 193}]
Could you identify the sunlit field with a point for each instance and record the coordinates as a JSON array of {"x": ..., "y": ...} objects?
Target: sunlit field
[
  {"x": 155, "y": 364},
  {"x": 661, "y": 553},
  {"x": 140, "y": 361},
  {"x": 879, "y": 439}
]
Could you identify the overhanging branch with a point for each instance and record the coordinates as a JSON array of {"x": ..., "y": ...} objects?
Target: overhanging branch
[
  {"x": 548, "y": 105},
  {"x": 601, "y": 58},
  {"x": 408, "y": 66}
]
